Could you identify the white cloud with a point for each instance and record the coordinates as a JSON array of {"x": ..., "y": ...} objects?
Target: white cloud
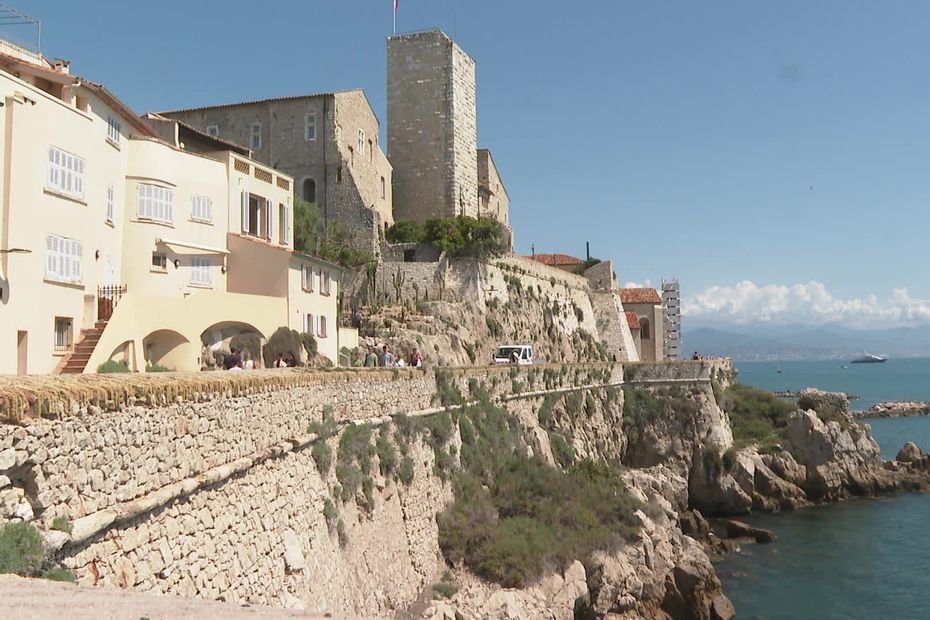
[
  {"x": 806, "y": 304},
  {"x": 646, "y": 284}
]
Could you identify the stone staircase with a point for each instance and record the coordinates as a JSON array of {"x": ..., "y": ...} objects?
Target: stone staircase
[{"x": 78, "y": 359}]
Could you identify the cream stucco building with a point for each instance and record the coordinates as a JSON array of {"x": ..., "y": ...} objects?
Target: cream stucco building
[
  {"x": 646, "y": 318},
  {"x": 136, "y": 239}
]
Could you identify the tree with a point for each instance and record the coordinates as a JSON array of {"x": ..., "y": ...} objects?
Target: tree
[
  {"x": 308, "y": 226},
  {"x": 404, "y": 231}
]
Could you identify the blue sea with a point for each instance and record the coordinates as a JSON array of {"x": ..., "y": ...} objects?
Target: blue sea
[{"x": 857, "y": 559}]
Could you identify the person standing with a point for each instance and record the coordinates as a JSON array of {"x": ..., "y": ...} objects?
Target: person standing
[
  {"x": 415, "y": 359},
  {"x": 371, "y": 360},
  {"x": 388, "y": 358}
]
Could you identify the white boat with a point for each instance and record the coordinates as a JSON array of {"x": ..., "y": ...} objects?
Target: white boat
[{"x": 868, "y": 358}]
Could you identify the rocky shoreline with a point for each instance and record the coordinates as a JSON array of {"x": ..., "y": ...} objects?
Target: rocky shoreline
[{"x": 896, "y": 409}]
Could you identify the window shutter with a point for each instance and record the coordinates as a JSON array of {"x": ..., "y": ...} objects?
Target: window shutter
[
  {"x": 78, "y": 251},
  {"x": 269, "y": 208},
  {"x": 287, "y": 225},
  {"x": 245, "y": 211},
  {"x": 303, "y": 278}
]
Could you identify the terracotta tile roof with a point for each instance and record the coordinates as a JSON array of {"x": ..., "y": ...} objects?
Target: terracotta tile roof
[
  {"x": 556, "y": 260},
  {"x": 632, "y": 319},
  {"x": 640, "y": 296}
]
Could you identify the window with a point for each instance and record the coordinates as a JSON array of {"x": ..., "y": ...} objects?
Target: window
[
  {"x": 284, "y": 224},
  {"x": 338, "y": 174},
  {"x": 65, "y": 172},
  {"x": 324, "y": 288},
  {"x": 201, "y": 209},
  {"x": 361, "y": 142},
  {"x": 200, "y": 271},
  {"x": 63, "y": 259},
  {"x": 111, "y": 206},
  {"x": 159, "y": 262},
  {"x": 308, "y": 324},
  {"x": 322, "y": 332},
  {"x": 644, "y": 329},
  {"x": 310, "y": 127},
  {"x": 304, "y": 277},
  {"x": 307, "y": 278},
  {"x": 63, "y": 333},
  {"x": 371, "y": 151},
  {"x": 156, "y": 203},
  {"x": 113, "y": 130},
  {"x": 309, "y": 190},
  {"x": 213, "y": 130},
  {"x": 256, "y": 136},
  {"x": 383, "y": 188}
]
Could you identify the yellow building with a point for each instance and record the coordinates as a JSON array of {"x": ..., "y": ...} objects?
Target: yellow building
[{"x": 136, "y": 239}]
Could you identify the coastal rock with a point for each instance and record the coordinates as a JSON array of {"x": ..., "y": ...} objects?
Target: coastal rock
[
  {"x": 739, "y": 529},
  {"x": 827, "y": 404},
  {"x": 909, "y": 453},
  {"x": 715, "y": 492},
  {"x": 897, "y": 409}
]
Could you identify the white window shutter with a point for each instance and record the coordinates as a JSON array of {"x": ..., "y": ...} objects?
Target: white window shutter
[
  {"x": 287, "y": 225},
  {"x": 245, "y": 211},
  {"x": 269, "y": 208}
]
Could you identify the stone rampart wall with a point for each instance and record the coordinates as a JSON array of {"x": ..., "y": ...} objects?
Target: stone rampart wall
[
  {"x": 208, "y": 485},
  {"x": 677, "y": 371}
]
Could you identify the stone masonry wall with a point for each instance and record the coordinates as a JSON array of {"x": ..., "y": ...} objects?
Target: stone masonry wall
[{"x": 205, "y": 485}]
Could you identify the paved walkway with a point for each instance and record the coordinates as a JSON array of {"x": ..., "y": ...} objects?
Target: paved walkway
[{"x": 38, "y": 599}]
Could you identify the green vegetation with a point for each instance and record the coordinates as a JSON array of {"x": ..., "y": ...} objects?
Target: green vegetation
[
  {"x": 322, "y": 456},
  {"x": 62, "y": 524},
  {"x": 562, "y": 451},
  {"x": 756, "y": 416},
  {"x": 513, "y": 518},
  {"x": 330, "y": 513},
  {"x": 387, "y": 455},
  {"x": 481, "y": 237},
  {"x": 112, "y": 366},
  {"x": 309, "y": 344},
  {"x": 153, "y": 367},
  {"x": 332, "y": 241},
  {"x": 354, "y": 461},
  {"x": 59, "y": 574},
  {"x": 21, "y": 550},
  {"x": 445, "y": 590},
  {"x": 281, "y": 342},
  {"x": 405, "y": 471},
  {"x": 250, "y": 343},
  {"x": 447, "y": 390}
]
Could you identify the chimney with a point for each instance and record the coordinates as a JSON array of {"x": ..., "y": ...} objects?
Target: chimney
[{"x": 62, "y": 66}]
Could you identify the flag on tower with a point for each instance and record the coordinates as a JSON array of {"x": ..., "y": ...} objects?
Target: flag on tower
[{"x": 396, "y": 6}]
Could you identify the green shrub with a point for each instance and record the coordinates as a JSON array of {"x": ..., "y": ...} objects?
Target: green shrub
[
  {"x": 354, "y": 459},
  {"x": 21, "y": 550},
  {"x": 325, "y": 429},
  {"x": 404, "y": 231},
  {"x": 533, "y": 518},
  {"x": 544, "y": 415},
  {"x": 309, "y": 344},
  {"x": 445, "y": 590},
  {"x": 405, "y": 471},
  {"x": 440, "y": 427},
  {"x": 343, "y": 536},
  {"x": 112, "y": 366},
  {"x": 282, "y": 342},
  {"x": 756, "y": 416},
  {"x": 368, "y": 490},
  {"x": 447, "y": 390},
  {"x": 322, "y": 456},
  {"x": 562, "y": 451},
  {"x": 62, "y": 524},
  {"x": 59, "y": 574},
  {"x": 329, "y": 512},
  {"x": 387, "y": 455},
  {"x": 729, "y": 460},
  {"x": 250, "y": 343},
  {"x": 153, "y": 367}
]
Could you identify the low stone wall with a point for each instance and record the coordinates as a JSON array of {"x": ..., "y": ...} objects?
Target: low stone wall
[
  {"x": 678, "y": 371},
  {"x": 116, "y": 439}
]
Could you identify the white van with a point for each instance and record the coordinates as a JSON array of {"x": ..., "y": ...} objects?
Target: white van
[{"x": 514, "y": 354}]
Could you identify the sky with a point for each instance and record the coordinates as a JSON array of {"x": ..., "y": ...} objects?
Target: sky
[{"x": 772, "y": 156}]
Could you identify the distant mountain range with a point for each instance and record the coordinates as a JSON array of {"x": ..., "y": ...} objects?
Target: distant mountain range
[{"x": 755, "y": 342}]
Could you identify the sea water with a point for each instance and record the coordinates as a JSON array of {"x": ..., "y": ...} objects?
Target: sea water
[{"x": 859, "y": 559}]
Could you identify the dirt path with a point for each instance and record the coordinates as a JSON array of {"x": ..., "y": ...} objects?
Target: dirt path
[{"x": 38, "y": 599}]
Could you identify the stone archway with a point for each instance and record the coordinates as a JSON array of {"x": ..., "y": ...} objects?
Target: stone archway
[{"x": 167, "y": 348}]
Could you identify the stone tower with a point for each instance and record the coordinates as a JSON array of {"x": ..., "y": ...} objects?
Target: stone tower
[{"x": 432, "y": 126}]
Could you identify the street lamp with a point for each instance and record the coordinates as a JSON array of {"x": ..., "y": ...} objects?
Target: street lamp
[{"x": 16, "y": 251}]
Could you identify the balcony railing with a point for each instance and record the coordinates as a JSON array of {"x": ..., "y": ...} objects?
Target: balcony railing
[{"x": 107, "y": 298}]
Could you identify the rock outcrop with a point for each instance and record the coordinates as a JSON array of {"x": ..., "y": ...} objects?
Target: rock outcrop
[
  {"x": 909, "y": 453},
  {"x": 897, "y": 409}
]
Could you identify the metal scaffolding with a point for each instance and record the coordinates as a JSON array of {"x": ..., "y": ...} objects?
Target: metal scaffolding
[{"x": 671, "y": 302}]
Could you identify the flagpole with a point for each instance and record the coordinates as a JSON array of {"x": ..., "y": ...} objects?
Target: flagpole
[{"x": 394, "y": 13}]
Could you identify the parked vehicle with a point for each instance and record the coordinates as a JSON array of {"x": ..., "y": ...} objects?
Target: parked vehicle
[{"x": 514, "y": 354}]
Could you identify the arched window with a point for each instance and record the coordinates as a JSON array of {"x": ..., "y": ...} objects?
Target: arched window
[
  {"x": 309, "y": 190},
  {"x": 644, "y": 333}
]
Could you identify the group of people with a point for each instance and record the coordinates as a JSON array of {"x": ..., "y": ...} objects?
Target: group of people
[
  {"x": 386, "y": 359},
  {"x": 237, "y": 360}
]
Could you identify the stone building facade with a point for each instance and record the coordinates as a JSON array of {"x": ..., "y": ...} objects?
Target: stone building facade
[
  {"x": 646, "y": 304},
  {"x": 328, "y": 142},
  {"x": 432, "y": 126},
  {"x": 493, "y": 200}
]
